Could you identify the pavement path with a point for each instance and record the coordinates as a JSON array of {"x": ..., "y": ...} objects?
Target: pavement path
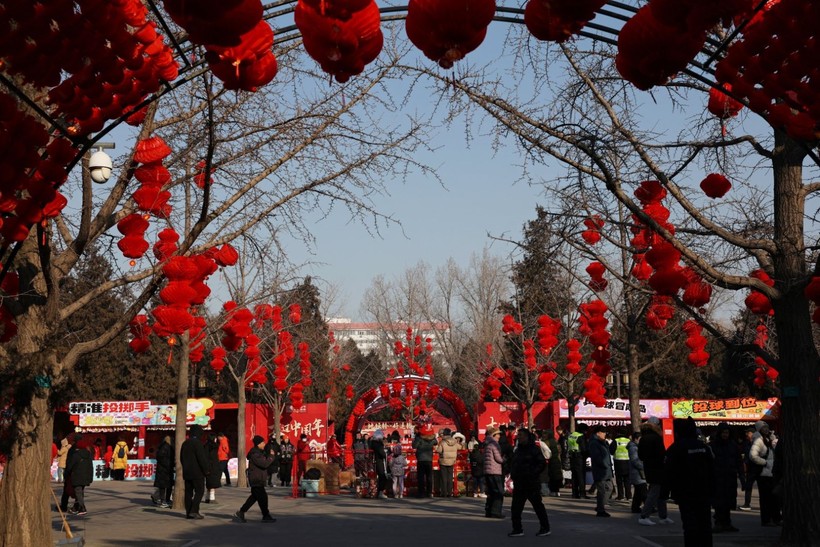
[{"x": 121, "y": 514}]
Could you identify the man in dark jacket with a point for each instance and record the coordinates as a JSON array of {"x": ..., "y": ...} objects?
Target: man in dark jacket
[
  {"x": 272, "y": 450},
  {"x": 652, "y": 452},
  {"x": 728, "y": 466},
  {"x": 601, "y": 468},
  {"x": 80, "y": 467},
  {"x": 525, "y": 469},
  {"x": 423, "y": 444},
  {"x": 689, "y": 477},
  {"x": 194, "y": 469},
  {"x": 258, "y": 463},
  {"x": 164, "y": 476}
]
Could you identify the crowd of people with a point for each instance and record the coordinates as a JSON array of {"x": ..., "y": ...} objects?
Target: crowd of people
[{"x": 700, "y": 475}]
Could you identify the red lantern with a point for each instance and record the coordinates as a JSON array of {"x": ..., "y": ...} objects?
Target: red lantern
[{"x": 715, "y": 185}]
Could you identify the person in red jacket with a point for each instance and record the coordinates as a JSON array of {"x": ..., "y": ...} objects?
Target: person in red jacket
[
  {"x": 302, "y": 457},
  {"x": 334, "y": 450},
  {"x": 223, "y": 454}
]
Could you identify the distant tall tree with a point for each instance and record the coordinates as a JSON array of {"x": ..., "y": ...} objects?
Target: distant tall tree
[{"x": 313, "y": 330}]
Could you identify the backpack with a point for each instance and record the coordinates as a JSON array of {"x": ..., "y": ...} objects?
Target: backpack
[{"x": 121, "y": 453}]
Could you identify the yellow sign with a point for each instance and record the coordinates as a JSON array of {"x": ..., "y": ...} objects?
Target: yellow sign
[{"x": 741, "y": 408}]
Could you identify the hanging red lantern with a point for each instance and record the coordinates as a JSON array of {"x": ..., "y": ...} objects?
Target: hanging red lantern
[{"x": 715, "y": 185}]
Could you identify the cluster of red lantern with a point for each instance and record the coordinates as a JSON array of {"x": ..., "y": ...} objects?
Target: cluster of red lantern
[
  {"x": 757, "y": 302},
  {"x": 28, "y": 192},
  {"x": 140, "y": 332},
  {"x": 773, "y": 69},
  {"x": 596, "y": 272},
  {"x": 343, "y": 36},
  {"x": 722, "y": 105},
  {"x": 573, "y": 356},
  {"x": 664, "y": 35},
  {"x": 119, "y": 59},
  {"x": 592, "y": 234},
  {"x": 133, "y": 227},
  {"x": 447, "y": 30},
  {"x": 196, "y": 343},
  {"x": 495, "y": 378},
  {"x": 715, "y": 185},
  {"x": 594, "y": 390},
  {"x": 696, "y": 343},
  {"x": 411, "y": 354},
  {"x": 510, "y": 326},
  {"x": 186, "y": 288},
  {"x": 238, "y": 42},
  {"x": 284, "y": 353},
  {"x": 547, "y": 333},
  {"x": 594, "y": 326},
  {"x": 558, "y": 20},
  {"x": 152, "y": 176},
  {"x": 659, "y": 312},
  {"x": 764, "y": 371},
  {"x": 166, "y": 244},
  {"x": 237, "y": 325},
  {"x": 697, "y": 292},
  {"x": 218, "y": 355}
]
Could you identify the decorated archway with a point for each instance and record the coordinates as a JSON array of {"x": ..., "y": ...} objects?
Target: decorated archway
[{"x": 408, "y": 392}]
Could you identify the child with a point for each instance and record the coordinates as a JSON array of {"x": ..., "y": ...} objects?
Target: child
[{"x": 398, "y": 465}]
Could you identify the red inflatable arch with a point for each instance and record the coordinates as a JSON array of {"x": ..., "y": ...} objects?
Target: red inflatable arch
[{"x": 417, "y": 387}]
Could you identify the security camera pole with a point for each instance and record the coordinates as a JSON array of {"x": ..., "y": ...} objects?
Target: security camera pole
[{"x": 100, "y": 164}]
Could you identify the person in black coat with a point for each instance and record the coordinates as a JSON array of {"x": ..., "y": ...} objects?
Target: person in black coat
[
  {"x": 728, "y": 466},
  {"x": 689, "y": 477},
  {"x": 164, "y": 476},
  {"x": 380, "y": 463},
  {"x": 258, "y": 463},
  {"x": 526, "y": 466},
  {"x": 652, "y": 452},
  {"x": 80, "y": 467},
  {"x": 213, "y": 479},
  {"x": 195, "y": 468},
  {"x": 272, "y": 450}
]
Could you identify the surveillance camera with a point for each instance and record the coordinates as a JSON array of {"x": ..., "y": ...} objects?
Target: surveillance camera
[{"x": 99, "y": 164}]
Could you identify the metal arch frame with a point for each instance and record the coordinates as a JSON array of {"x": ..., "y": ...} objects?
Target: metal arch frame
[{"x": 616, "y": 10}]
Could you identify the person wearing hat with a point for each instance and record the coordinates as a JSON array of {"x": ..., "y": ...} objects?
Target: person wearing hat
[
  {"x": 423, "y": 443},
  {"x": 379, "y": 463},
  {"x": 762, "y": 456},
  {"x": 334, "y": 451},
  {"x": 286, "y": 453},
  {"x": 493, "y": 474},
  {"x": 448, "y": 452},
  {"x": 195, "y": 467},
  {"x": 164, "y": 476},
  {"x": 258, "y": 463},
  {"x": 601, "y": 468},
  {"x": 578, "y": 454}
]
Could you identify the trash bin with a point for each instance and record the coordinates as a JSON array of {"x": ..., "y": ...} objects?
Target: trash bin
[{"x": 310, "y": 487}]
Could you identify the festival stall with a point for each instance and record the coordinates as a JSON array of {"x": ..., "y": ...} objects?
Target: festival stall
[
  {"x": 141, "y": 424},
  {"x": 739, "y": 412}
]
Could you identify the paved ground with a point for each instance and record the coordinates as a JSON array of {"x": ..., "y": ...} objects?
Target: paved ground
[{"x": 121, "y": 514}]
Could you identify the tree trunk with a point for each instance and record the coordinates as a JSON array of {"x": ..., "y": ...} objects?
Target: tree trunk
[
  {"x": 181, "y": 419},
  {"x": 633, "y": 369},
  {"x": 25, "y": 497},
  {"x": 798, "y": 362},
  {"x": 242, "y": 464}
]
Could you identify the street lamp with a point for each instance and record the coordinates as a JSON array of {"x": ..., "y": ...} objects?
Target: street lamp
[{"x": 100, "y": 164}]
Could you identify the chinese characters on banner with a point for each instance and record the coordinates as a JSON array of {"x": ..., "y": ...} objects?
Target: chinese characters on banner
[
  {"x": 615, "y": 409},
  {"x": 740, "y": 408},
  {"x": 137, "y": 470},
  {"x": 137, "y": 413},
  {"x": 310, "y": 419}
]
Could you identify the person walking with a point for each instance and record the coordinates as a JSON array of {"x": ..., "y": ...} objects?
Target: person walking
[
  {"x": 555, "y": 464},
  {"x": 119, "y": 463},
  {"x": 620, "y": 455},
  {"x": 578, "y": 454},
  {"x": 689, "y": 473},
  {"x": 223, "y": 456},
  {"x": 213, "y": 479},
  {"x": 423, "y": 443},
  {"x": 379, "y": 463},
  {"x": 164, "y": 475},
  {"x": 525, "y": 469},
  {"x": 398, "y": 467},
  {"x": 448, "y": 452},
  {"x": 195, "y": 467},
  {"x": 107, "y": 458},
  {"x": 636, "y": 473},
  {"x": 258, "y": 463},
  {"x": 286, "y": 460},
  {"x": 728, "y": 466},
  {"x": 80, "y": 469},
  {"x": 493, "y": 474},
  {"x": 652, "y": 453},
  {"x": 761, "y": 456},
  {"x": 601, "y": 469},
  {"x": 334, "y": 451}
]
